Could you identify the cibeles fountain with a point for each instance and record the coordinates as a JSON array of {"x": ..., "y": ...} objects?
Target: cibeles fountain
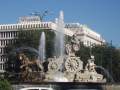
[{"x": 65, "y": 66}]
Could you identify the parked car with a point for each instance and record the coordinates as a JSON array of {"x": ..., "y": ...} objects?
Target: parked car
[{"x": 37, "y": 88}]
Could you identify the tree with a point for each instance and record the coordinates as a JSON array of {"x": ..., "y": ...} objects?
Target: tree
[
  {"x": 108, "y": 57},
  {"x": 83, "y": 53},
  {"x": 5, "y": 85}
]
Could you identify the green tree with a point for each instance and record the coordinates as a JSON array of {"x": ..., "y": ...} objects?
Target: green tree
[
  {"x": 108, "y": 57},
  {"x": 116, "y": 65},
  {"x": 83, "y": 53},
  {"x": 5, "y": 85}
]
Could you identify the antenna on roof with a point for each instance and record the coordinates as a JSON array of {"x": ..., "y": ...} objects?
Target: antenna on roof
[{"x": 40, "y": 15}]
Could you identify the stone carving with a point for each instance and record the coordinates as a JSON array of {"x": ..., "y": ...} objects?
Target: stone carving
[
  {"x": 75, "y": 43},
  {"x": 90, "y": 65},
  {"x": 73, "y": 64},
  {"x": 89, "y": 74},
  {"x": 28, "y": 67},
  {"x": 54, "y": 64},
  {"x": 68, "y": 49},
  {"x": 72, "y": 47},
  {"x": 68, "y": 68}
]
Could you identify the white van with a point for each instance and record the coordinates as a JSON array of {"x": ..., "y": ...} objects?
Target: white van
[{"x": 37, "y": 88}]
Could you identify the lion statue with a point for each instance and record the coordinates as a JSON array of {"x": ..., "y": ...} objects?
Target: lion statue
[{"x": 29, "y": 66}]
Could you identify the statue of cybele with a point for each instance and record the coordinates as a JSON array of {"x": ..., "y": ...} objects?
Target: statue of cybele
[
  {"x": 66, "y": 68},
  {"x": 73, "y": 46}
]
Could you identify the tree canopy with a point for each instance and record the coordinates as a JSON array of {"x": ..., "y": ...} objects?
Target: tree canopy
[
  {"x": 106, "y": 56},
  {"x": 5, "y": 85}
]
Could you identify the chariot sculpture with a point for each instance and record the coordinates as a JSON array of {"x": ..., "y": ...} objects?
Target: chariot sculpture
[{"x": 60, "y": 69}]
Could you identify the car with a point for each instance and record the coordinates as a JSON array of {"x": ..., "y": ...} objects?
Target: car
[{"x": 37, "y": 88}]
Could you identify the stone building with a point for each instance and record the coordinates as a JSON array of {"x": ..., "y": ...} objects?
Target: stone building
[{"x": 85, "y": 34}]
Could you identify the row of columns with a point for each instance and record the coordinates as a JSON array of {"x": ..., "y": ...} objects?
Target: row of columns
[
  {"x": 6, "y": 38},
  {"x": 2, "y": 66},
  {"x": 3, "y": 58},
  {"x": 25, "y": 26},
  {"x": 6, "y": 42},
  {"x": 8, "y": 34}
]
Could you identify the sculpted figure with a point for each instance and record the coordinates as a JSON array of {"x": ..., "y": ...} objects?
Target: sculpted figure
[
  {"x": 69, "y": 49},
  {"x": 26, "y": 62},
  {"x": 75, "y": 43},
  {"x": 90, "y": 65},
  {"x": 28, "y": 66},
  {"x": 73, "y": 46}
]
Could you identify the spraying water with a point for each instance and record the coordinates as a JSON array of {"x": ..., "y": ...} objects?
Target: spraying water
[
  {"x": 59, "y": 37},
  {"x": 42, "y": 47},
  {"x": 59, "y": 77}
]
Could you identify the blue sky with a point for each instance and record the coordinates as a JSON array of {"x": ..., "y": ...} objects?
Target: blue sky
[{"x": 102, "y": 16}]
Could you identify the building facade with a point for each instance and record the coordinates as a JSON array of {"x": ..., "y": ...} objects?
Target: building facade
[
  {"x": 85, "y": 34},
  {"x": 9, "y": 32}
]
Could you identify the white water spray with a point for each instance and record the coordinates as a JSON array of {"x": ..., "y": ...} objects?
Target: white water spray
[
  {"x": 59, "y": 37},
  {"x": 42, "y": 47}
]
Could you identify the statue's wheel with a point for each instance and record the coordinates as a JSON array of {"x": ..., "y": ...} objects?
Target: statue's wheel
[
  {"x": 73, "y": 64},
  {"x": 53, "y": 66}
]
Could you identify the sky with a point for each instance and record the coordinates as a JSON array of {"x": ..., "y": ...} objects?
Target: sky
[{"x": 103, "y": 16}]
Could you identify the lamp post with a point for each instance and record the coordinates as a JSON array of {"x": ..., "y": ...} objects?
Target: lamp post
[{"x": 111, "y": 57}]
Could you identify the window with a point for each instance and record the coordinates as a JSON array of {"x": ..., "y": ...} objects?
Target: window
[
  {"x": 6, "y": 34},
  {"x": 1, "y": 42},
  {"x": 1, "y": 34},
  {"x": 14, "y": 34},
  {"x": 0, "y": 66},
  {"x": 13, "y": 26},
  {"x": 39, "y": 25},
  {"x": 10, "y": 27},
  {"x": 1, "y": 58},
  {"x": 3, "y": 27}
]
